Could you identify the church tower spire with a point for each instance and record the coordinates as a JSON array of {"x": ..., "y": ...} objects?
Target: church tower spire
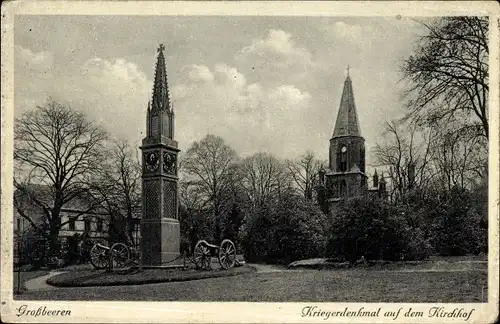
[
  {"x": 346, "y": 175},
  {"x": 161, "y": 100},
  {"x": 347, "y": 117}
]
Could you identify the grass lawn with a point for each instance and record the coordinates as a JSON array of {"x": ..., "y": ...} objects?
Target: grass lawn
[
  {"x": 89, "y": 278},
  {"x": 294, "y": 286}
]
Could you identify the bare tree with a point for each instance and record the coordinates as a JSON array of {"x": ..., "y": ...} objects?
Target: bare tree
[
  {"x": 209, "y": 164},
  {"x": 119, "y": 186},
  {"x": 449, "y": 74},
  {"x": 406, "y": 157},
  {"x": 264, "y": 179},
  {"x": 191, "y": 196},
  {"x": 60, "y": 149},
  {"x": 195, "y": 217},
  {"x": 458, "y": 158},
  {"x": 305, "y": 172}
]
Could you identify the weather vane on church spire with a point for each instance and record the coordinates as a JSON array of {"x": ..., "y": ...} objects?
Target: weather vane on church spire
[{"x": 348, "y": 67}]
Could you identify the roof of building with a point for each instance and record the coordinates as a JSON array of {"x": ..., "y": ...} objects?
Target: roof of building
[
  {"x": 347, "y": 117},
  {"x": 354, "y": 170}
]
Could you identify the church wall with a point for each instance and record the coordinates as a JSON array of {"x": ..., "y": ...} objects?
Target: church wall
[{"x": 350, "y": 184}]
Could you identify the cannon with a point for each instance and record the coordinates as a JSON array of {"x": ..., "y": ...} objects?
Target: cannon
[
  {"x": 101, "y": 255},
  {"x": 204, "y": 251}
]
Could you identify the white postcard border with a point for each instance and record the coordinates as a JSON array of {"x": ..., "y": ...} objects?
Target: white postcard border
[{"x": 235, "y": 312}]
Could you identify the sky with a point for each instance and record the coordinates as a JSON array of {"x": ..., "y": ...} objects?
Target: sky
[{"x": 264, "y": 84}]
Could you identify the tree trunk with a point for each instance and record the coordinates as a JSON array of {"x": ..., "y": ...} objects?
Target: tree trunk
[
  {"x": 54, "y": 228},
  {"x": 217, "y": 230},
  {"x": 130, "y": 229},
  {"x": 54, "y": 247}
]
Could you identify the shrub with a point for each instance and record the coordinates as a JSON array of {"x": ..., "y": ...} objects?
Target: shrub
[
  {"x": 374, "y": 229},
  {"x": 71, "y": 251},
  {"x": 458, "y": 228},
  {"x": 417, "y": 247},
  {"x": 195, "y": 226},
  {"x": 289, "y": 230},
  {"x": 231, "y": 225},
  {"x": 34, "y": 249}
]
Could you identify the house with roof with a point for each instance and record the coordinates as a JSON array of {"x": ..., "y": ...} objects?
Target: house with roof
[{"x": 81, "y": 215}]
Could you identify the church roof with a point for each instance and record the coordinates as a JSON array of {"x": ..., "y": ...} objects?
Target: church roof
[
  {"x": 161, "y": 100},
  {"x": 347, "y": 117}
]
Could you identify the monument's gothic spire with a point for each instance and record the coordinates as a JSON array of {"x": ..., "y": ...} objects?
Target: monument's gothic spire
[
  {"x": 161, "y": 100},
  {"x": 160, "y": 115},
  {"x": 347, "y": 118},
  {"x": 160, "y": 229}
]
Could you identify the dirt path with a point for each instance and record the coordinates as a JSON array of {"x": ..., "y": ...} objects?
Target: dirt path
[
  {"x": 267, "y": 268},
  {"x": 39, "y": 283}
]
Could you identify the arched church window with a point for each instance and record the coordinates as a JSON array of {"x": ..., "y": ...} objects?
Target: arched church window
[
  {"x": 343, "y": 189},
  {"x": 334, "y": 190}
]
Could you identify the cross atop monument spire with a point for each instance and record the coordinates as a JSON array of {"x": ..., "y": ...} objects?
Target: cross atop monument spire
[
  {"x": 161, "y": 100},
  {"x": 347, "y": 117}
]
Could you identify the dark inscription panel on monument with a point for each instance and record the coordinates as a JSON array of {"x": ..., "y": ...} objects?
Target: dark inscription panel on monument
[
  {"x": 151, "y": 199},
  {"x": 151, "y": 161},
  {"x": 170, "y": 163},
  {"x": 169, "y": 199}
]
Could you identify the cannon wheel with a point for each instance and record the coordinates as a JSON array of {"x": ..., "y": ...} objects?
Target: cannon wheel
[
  {"x": 202, "y": 256},
  {"x": 227, "y": 254},
  {"x": 99, "y": 256},
  {"x": 119, "y": 254}
]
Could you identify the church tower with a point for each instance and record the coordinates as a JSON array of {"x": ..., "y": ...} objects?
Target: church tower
[
  {"x": 160, "y": 230},
  {"x": 346, "y": 175}
]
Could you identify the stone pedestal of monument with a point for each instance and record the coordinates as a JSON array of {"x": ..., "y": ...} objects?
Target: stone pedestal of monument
[{"x": 160, "y": 244}]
